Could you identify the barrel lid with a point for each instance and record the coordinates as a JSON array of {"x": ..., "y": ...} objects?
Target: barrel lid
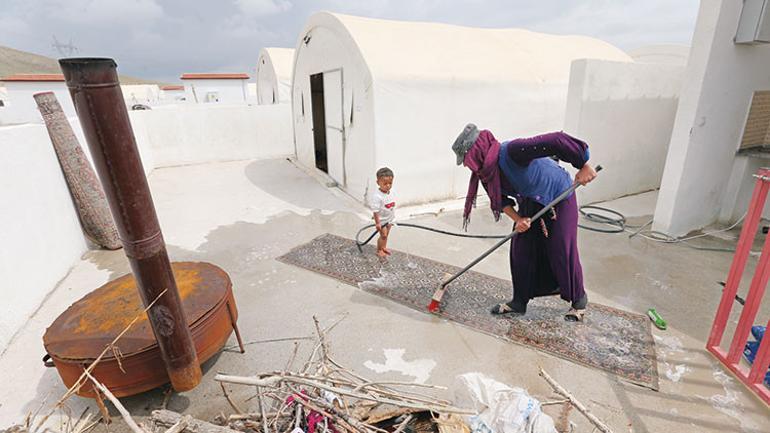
[{"x": 90, "y": 324}]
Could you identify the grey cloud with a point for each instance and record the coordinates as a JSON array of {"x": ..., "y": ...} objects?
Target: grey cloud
[
  {"x": 263, "y": 7},
  {"x": 160, "y": 39}
]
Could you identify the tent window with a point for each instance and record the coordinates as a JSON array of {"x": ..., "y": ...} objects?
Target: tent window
[{"x": 756, "y": 132}]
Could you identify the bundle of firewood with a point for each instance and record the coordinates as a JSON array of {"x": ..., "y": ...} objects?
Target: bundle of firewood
[{"x": 324, "y": 396}]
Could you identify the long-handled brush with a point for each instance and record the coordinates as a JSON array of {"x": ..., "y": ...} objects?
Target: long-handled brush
[{"x": 435, "y": 302}]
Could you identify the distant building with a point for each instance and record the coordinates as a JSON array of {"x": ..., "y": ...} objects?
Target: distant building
[
  {"x": 20, "y": 107},
  {"x": 172, "y": 93},
  {"x": 274, "y": 70},
  {"x": 141, "y": 94},
  {"x": 216, "y": 87}
]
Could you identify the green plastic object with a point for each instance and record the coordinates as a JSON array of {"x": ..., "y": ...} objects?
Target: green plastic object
[{"x": 656, "y": 319}]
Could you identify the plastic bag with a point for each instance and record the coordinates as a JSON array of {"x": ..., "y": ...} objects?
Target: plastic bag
[{"x": 500, "y": 408}]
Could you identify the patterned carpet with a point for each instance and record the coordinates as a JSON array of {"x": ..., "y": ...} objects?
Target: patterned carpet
[{"x": 609, "y": 339}]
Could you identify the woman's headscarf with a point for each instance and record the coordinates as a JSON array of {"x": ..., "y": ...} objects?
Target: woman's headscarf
[{"x": 481, "y": 159}]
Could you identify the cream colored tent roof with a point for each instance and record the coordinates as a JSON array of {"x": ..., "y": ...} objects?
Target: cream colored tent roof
[
  {"x": 282, "y": 60},
  {"x": 433, "y": 51},
  {"x": 671, "y": 54}
]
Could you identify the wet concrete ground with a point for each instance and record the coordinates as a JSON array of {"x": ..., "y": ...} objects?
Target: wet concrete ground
[{"x": 242, "y": 215}]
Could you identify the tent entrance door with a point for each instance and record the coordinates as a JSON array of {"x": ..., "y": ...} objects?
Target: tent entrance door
[
  {"x": 319, "y": 121},
  {"x": 328, "y": 124},
  {"x": 335, "y": 126}
]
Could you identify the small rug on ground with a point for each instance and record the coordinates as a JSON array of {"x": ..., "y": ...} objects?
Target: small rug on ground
[{"x": 609, "y": 339}]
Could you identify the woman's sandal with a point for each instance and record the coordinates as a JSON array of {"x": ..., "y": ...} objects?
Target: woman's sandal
[
  {"x": 507, "y": 308},
  {"x": 575, "y": 315}
]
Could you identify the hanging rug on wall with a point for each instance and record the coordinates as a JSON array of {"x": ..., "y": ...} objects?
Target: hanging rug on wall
[{"x": 609, "y": 339}]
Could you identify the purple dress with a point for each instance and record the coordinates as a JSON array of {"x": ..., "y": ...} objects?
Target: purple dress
[{"x": 544, "y": 259}]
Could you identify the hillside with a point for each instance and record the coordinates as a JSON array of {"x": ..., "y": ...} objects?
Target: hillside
[{"x": 21, "y": 62}]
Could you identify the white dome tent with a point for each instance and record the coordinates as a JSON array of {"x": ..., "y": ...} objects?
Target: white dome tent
[
  {"x": 274, "y": 70},
  {"x": 368, "y": 93}
]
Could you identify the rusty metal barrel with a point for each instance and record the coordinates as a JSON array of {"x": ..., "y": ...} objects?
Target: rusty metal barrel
[{"x": 96, "y": 93}]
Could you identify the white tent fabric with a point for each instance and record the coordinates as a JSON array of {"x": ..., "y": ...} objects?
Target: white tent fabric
[
  {"x": 274, "y": 73},
  {"x": 668, "y": 54},
  {"x": 397, "y": 93}
]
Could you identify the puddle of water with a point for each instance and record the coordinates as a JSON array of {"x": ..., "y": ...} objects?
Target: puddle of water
[
  {"x": 674, "y": 373},
  {"x": 729, "y": 402},
  {"x": 419, "y": 369},
  {"x": 670, "y": 343}
]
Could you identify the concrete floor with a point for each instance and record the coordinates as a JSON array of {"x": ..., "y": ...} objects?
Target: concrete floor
[{"x": 241, "y": 215}]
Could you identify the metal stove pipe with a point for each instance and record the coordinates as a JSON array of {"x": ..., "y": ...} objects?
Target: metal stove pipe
[{"x": 93, "y": 84}]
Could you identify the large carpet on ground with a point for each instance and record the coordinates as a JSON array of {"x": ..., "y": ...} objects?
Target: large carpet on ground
[{"x": 609, "y": 339}]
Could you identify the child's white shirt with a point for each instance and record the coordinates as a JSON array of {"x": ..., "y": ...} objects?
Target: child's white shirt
[{"x": 383, "y": 204}]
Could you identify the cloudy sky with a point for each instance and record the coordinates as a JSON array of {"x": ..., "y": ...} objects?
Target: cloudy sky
[{"x": 159, "y": 39}]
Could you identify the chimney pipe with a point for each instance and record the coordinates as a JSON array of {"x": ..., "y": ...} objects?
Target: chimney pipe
[{"x": 96, "y": 93}]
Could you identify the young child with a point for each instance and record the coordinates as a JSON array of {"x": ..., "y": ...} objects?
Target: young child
[{"x": 382, "y": 203}]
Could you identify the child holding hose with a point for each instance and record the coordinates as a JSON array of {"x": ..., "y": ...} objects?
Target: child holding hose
[
  {"x": 383, "y": 205},
  {"x": 544, "y": 257}
]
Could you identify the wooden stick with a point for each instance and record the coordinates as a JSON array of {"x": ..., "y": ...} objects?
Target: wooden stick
[
  {"x": 579, "y": 406},
  {"x": 293, "y": 356},
  {"x": 180, "y": 425},
  {"x": 270, "y": 340},
  {"x": 377, "y": 388},
  {"x": 99, "y": 399},
  {"x": 276, "y": 380},
  {"x": 123, "y": 412},
  {"x": 419, "y": 385},
  {"x": 253, "y": 416},
  {"x": 549, "y": 403},
  {"x": 82, "y": 379},
  {"x": 229, "y": 400},
  {"x": 336, "y": 419},
  {"x": 165, "y": 418},
  {"x": 260, "y": 400},
  {"x": 403, "y": 424},
  {"x": 330, "y": 408},
  {"x": 324, "y": 345}
]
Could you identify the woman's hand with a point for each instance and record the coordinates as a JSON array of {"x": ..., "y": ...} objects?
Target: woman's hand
[
  {"x": 522, "y": 225},
  {"x": 585, "y": 175}
]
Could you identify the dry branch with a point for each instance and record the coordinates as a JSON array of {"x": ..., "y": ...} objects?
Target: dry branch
[
  {"x": 578, "y": 405},
  {"x": 123, "y": 412},
  {"x": 180, "y": 425},
  {"x": 166, "y": 418},
  {"x": 272, "y": 380},
  {"x": 230, "y": 400}
]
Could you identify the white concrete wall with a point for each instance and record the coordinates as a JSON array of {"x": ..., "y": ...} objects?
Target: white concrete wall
[
  {"x": 625, "y": 111},
  {"x": 189, "y": 134},
  {"x": 703, "y": 179},
  {"x": 231, "y": 91},
  {"x": 41, "y": 235},
  {"x": 21, "y": 107}
]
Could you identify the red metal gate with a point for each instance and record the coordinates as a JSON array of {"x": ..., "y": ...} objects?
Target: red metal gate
[{"x": 755, "y": 376}]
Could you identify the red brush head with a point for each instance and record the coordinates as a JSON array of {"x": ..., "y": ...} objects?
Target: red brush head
[{"x": 433, "y": 306}]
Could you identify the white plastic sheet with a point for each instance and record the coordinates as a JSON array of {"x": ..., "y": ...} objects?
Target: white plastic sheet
[{"x": 500, "y": 408}]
